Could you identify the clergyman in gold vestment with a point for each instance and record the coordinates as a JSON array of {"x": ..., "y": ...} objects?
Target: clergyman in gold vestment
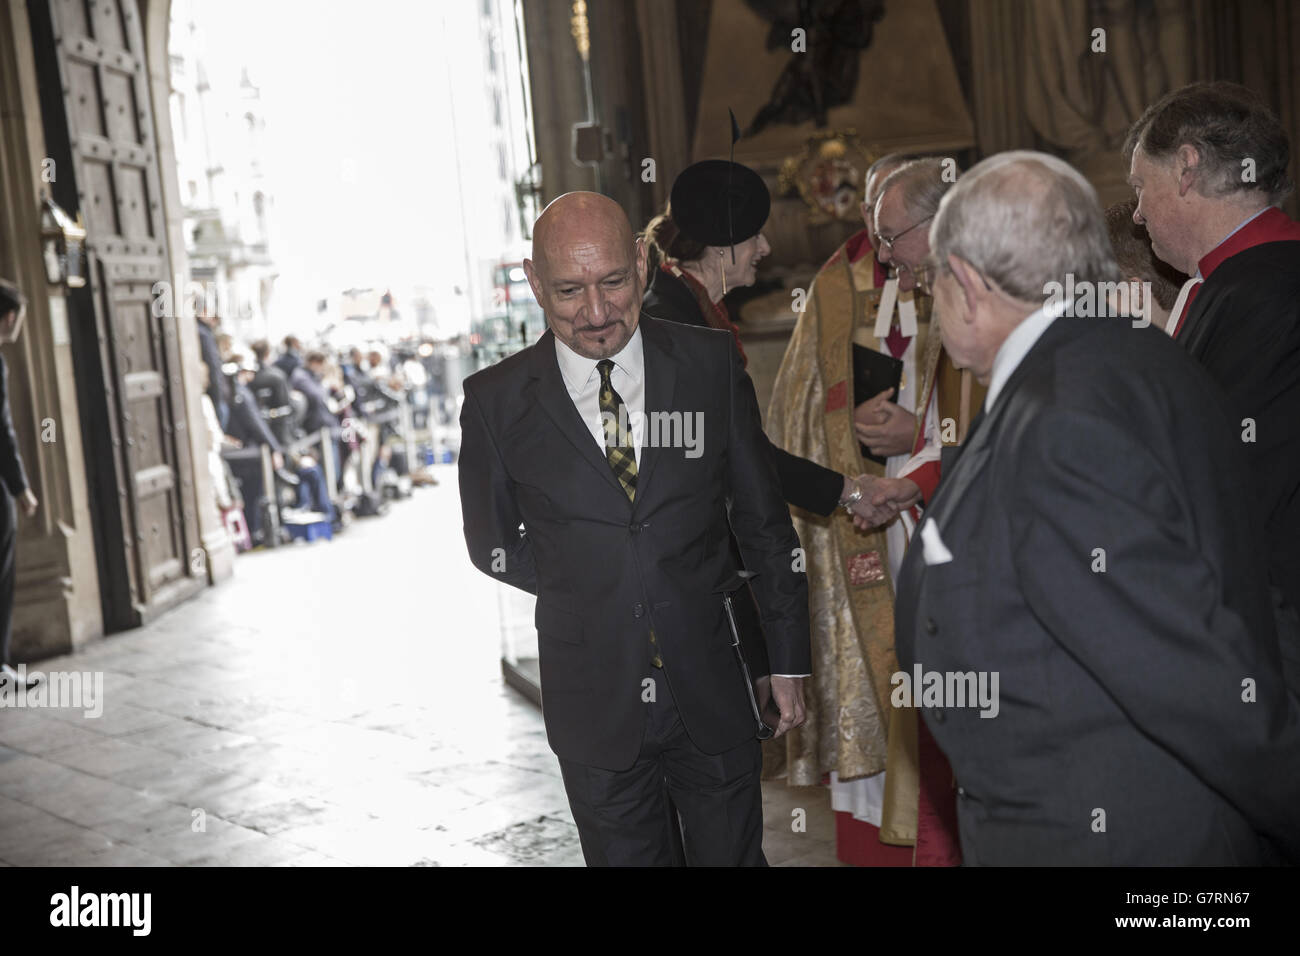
[{"x": 852, "y": 733}]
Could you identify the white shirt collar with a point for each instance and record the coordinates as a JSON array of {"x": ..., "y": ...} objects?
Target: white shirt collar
[
  {"x": 578, "y": 370},
  {"x": 1017, "y": 345}
]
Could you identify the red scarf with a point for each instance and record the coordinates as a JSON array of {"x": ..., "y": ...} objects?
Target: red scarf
[{"x": 715, "y": 313}]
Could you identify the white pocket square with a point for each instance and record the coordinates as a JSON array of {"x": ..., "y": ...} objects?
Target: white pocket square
[{"x": 933, "y": 550}]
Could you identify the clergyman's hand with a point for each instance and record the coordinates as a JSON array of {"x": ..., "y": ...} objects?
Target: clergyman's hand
[
  {"x": 883, "y": 500},
  {"x": 29, "y": 503},
  {"x": 872, "y": 411},
  {"x": 788, "y": 694},
  {"x": 884, "y": 426}
]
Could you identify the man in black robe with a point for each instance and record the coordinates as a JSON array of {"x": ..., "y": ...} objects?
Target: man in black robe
[{"x": 1209, "y": 166}]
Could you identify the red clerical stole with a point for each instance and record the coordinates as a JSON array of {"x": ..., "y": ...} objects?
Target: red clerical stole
[{"x": 1272, "y": 225}]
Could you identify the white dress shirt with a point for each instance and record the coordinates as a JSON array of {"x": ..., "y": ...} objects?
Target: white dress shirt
[
  {"x": 1017, "y": 345},
  {"x": 582, "y": 379}
]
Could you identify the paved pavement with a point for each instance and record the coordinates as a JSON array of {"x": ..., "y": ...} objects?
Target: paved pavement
[{"x": 334, "y": 704}]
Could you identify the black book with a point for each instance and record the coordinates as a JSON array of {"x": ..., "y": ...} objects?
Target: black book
[
  {"x": 767, "y": 715},
  {"x": 873, "y": 372}
]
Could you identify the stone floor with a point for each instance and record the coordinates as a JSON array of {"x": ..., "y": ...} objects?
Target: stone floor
[{"x": 333, "y": 704}]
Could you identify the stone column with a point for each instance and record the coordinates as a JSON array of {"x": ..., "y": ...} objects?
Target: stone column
[{"x": 218, "y": 550}]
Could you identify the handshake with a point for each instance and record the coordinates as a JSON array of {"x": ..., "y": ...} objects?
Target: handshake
[{"x": 880, "y": 501}]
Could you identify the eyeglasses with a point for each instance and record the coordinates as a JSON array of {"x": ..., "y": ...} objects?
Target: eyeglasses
[
  {"x": 888, "y": 241},
  {"x": 928, "y": 273}
]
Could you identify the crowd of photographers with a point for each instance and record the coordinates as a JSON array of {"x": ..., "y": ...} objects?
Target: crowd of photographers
[{"x": 307, "y": 438}]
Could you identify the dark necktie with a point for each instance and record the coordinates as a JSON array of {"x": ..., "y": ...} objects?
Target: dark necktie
[{"x": 613, "y": 413}]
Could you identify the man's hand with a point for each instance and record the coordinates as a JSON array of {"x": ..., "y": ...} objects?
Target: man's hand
[
  {"x": 884, "y": 499},
  {"x": 788, "y": 694},
  {"x": 884, "y": 426},
  {"x": 277, "y": 460},
  {"x": 29, "y": 503}
]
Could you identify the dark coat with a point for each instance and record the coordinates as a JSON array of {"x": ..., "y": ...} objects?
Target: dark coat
[
  {"x": 1121, "y": 690},
  {"x": 804, "y": 484},
  {"x": 13, "y": 478},
  {"x": 218, "y": 385},
  {"x": 270, "y": 387},
  {"x": 1244, "y": 328},
  {"x": 606, "y": 570},
  {"x": 246, "y": 422},
  {"x": 318, "y": 414},
  {"x": 288, "y": 363}
]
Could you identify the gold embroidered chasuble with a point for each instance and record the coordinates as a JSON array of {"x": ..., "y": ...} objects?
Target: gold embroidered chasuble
[{"x": 851, "y": 596}]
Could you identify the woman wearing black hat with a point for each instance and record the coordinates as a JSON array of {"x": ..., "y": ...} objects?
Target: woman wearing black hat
[{"x": 707, "y": 246}]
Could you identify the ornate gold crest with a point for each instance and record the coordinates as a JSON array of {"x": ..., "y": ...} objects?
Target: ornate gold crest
[{"x": 829, "y": 175}]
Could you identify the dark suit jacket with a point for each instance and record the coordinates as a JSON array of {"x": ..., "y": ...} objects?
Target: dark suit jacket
[
  {"x": 13, "y": 479},
  {"x": 805, "y": 484},
  {"x": 606, "y": 570},
  {"x": 1120, "y": 690}
]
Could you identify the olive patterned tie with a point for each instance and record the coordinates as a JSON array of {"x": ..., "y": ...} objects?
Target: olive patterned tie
[{"x": 622, "y": 457}]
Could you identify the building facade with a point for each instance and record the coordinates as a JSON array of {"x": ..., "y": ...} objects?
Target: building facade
[{"x": 218, "y": 126}]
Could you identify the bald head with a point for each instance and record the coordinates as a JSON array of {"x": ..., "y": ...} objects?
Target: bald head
[
  {"x": 588, "y": 273},
  {"x": 579, "y": 218}
]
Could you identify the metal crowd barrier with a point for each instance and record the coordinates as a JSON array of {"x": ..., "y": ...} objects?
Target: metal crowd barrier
[
  {"x": 400, "y": 416},
  {"x": 320, "y": 441}
]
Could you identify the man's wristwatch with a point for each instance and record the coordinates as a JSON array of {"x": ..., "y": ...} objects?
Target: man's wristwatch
[{"x": 853, "y": 497}]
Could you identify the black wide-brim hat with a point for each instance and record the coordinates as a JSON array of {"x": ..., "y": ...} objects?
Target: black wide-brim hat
[{"x": 701, "y": 196}]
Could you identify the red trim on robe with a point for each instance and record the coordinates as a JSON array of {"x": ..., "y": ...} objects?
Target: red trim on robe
[
  {"x": 1272, "y": 225},
  {"x": 857, "y": 246},
  {"x": 837, "y": 396},
  {"x": 937, "y": 844},
  {"x": 857, "y": 843},
  {"x": 926, "y": 478}
]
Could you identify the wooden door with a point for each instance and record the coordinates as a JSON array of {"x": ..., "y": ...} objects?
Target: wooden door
[{"x": 98, "y": 120}]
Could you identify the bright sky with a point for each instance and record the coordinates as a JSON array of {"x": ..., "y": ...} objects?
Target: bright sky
[{"x": 359, "y": 153}]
